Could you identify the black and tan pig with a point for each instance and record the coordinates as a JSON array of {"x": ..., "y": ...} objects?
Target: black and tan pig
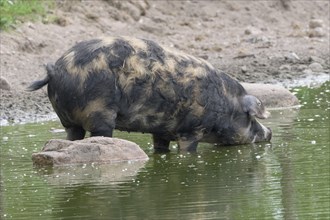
[{"x": 136, "y": 85}]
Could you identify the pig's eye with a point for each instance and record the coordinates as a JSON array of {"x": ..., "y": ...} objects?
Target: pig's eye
[{"x": 259, "y": 103}]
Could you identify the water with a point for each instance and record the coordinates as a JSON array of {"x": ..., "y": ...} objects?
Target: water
[{"x": 288, "y": 178}]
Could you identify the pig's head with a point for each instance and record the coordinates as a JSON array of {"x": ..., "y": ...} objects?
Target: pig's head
[
  {"x": 250, "y": 130},
  {"x": 243, "y": 127}
]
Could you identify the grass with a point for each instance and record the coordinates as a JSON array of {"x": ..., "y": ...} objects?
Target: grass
[{"x": 14, "y": 12}]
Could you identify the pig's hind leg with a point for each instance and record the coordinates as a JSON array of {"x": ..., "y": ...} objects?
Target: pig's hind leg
[
  {"x": 102, "y": 123},
  {"x": 75, "y": 133}
]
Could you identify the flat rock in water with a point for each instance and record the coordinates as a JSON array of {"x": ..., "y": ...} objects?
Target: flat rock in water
[
  {"x": 90, "y": 150},
  {"x": 272, "y": 96}
]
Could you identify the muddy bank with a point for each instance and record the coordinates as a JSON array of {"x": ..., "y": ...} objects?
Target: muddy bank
[{"x": 261, "y": 41}]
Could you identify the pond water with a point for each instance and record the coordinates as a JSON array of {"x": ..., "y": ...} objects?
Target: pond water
[{"x": 288, "y": 178}]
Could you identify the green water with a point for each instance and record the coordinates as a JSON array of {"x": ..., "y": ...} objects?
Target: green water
[{"x": 288, "y": 178}]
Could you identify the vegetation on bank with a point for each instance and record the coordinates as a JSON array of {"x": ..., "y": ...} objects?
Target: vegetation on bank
[{"x": 15, "y": 12}]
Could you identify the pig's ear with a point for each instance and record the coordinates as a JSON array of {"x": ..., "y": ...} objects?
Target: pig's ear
[{"x": 254, "y": 107}]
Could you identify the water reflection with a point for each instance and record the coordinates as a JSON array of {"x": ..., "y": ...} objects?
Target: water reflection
[{"x": 97, "y": 174}]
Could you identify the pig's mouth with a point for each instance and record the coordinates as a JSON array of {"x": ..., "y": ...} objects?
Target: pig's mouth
[{"x": 267, "y": 135}]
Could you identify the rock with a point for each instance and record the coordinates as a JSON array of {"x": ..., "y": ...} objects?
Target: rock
[
  {"x": 90, "y": 150},
  {"x": 216, "y": 48},
  {"x": 199, "y": 38},
  {"x": 242, "y": 54},
  {"x": 31, "y": 25},
  {"x": 63, "y": 21},
  {"x": 286, "y": 4},
  {"x": 292, "y": 57},
  {"x": 151, "y": 29},
  {"x": 285, "y": 67},
  {"x": 260, "y": 39},
  {"x": 308, "y": 72},
  {"x": 272, "y": 96},
  {"x": 244, "y": 69},
  {"x": 315, "y": 23},
  {"x": 316, "y": 28},
  {"x": 204, "y": 56},
  {"x": 4, "y": 85},
  {"x": 317, "y": 32},
  {"x": 301, "y": 67},
  {"x": 250, "y": 30},
  {"x": 316, "y": 59},
  {"x": 316, "y": 67}
]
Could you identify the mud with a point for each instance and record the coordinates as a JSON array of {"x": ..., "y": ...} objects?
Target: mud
[{"x": 277, "y": 41}]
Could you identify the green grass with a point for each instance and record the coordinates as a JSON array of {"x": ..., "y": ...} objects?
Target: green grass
[{"x": 14, "y": 12}]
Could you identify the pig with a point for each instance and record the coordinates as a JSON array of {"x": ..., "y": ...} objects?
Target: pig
[{"x": 136, "y": 85}]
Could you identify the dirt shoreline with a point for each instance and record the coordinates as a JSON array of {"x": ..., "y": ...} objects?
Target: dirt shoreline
[{"x": 275, "y": 42}]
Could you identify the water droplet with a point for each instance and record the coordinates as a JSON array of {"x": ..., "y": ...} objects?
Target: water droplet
[{"x": 191, "y": 166}]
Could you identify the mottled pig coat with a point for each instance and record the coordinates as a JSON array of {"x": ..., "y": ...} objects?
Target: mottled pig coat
[{"x": 136, "y": 85}]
